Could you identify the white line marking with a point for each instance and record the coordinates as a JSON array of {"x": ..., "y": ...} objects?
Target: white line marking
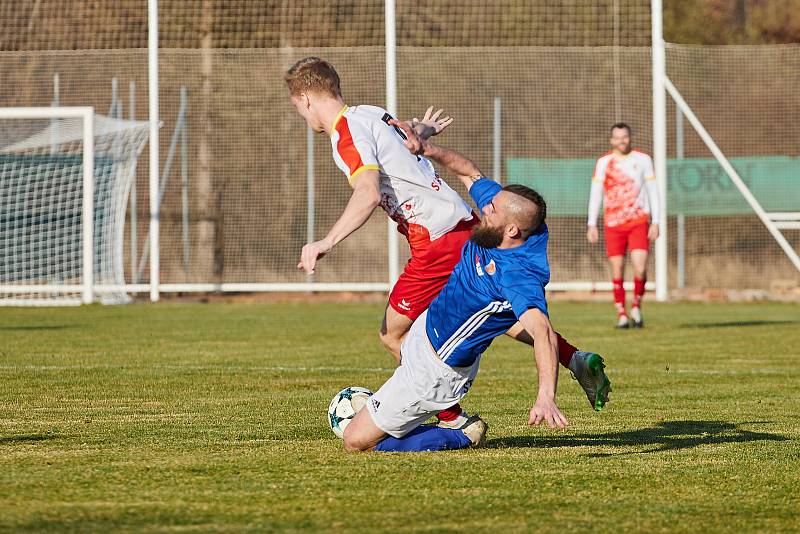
[{"x": 195, "y": 368}]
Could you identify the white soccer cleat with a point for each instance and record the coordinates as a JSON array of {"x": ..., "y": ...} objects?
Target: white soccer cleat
[
  {"x": 587, "y": 369},
  {"x": 456, "y": 423},
  {"x": 636, "y": 315},
  {"x": 622, "y": 321},
  {"x": 475, "y": 429}
]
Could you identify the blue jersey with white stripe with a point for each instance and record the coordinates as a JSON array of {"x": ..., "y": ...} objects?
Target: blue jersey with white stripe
[{"x": 489, "y": 290}]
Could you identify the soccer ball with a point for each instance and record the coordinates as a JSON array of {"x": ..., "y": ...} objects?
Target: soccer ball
[{"x": 344, "y": 406}]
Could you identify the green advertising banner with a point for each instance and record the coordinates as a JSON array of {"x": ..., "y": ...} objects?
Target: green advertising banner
[{"x": 696, "y": 186}]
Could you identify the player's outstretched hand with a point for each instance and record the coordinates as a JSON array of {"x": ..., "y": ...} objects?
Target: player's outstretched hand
[
  {"x": 434, "y": 123},
  {"x": 546, "y": 410},
  {"x": 413, "y": 142},
  {"x": 311, "y": 253}
]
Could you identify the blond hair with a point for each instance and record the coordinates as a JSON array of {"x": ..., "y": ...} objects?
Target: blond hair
[{"x": 313, "y": 75}]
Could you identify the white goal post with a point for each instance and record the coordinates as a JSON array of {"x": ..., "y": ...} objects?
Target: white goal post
[
  {"x": 65, "y": 177},
  {"x": 86, "y": 114}
]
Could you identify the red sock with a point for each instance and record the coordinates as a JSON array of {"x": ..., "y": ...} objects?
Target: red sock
[
  {"x": 450, "y": 414},
  {"x": 565, "y": 350},
  {"x": 638, "y": 291},
  {"x": 619, "y": 296}
]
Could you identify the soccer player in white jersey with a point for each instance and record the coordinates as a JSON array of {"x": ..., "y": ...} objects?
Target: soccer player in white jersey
[
  {"x": 434, "y": 218},
  {"x": 498, "y": 282},
  {"x": 624, "y": 182}
]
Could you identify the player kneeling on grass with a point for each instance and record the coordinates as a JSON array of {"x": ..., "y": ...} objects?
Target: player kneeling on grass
[{"x": 500, "y": 280}]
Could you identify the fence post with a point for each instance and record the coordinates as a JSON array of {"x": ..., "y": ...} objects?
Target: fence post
[
  {"x": 185, "y": 179},
  {"x": 681, "y": 222},
  {"x": 391, "y": 107},
  {"x": 497, "y": 167},
  {"x": 660, "y": 143},
  {"x": 54, "y": 130},
  {"x": 152, "y": 75},
  {"x": 133, "y": 208},
  {"x": 310, "y": 190}
]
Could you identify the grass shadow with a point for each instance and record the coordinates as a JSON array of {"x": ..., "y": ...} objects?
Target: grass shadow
[
  {"x": 665, "y": 436},
  {"x": 734, "y": 324},
  {"x": 39, "y": 327},
  {"x": 23, "y": 438}
]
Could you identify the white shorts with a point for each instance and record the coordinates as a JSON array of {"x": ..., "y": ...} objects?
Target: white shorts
[{"x": 421, "y": 387}]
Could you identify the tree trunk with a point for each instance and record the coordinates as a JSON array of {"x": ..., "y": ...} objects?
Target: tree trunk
[{"x": 207, "y": 266}]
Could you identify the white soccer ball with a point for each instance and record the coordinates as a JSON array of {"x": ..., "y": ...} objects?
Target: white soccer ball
[{"x": 344, "y": 406}]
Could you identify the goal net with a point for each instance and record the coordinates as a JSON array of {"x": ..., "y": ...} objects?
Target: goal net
[{"x": 42, "y": 207}]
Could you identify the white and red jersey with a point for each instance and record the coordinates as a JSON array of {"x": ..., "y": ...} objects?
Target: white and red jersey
[
  {"x": 626, "y": 185},
  {"x": 412, "y": 193}
]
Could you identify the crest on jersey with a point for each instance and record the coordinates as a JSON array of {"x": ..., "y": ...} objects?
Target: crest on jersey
[
  {"x": 491, "y": 268},
  {"x": 478, "y": 267}
]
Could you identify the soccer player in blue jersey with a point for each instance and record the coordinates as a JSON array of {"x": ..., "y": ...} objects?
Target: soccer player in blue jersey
[{"x": 499, "y": 281}]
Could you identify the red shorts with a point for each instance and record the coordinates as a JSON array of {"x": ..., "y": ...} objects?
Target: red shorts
[
  {"x": 630, "y": 236},
  {"x": 428, "y": 270}
]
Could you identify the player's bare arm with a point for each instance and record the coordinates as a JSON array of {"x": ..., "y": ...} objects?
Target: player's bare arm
[
  {"x": 365, "y": 198},
  {"x": 462, "y": 167},
  {"x": 545, "y": 350}
]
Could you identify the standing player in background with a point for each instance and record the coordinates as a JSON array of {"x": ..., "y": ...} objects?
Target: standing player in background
[
  {"x": 624, "y": 181},
  {"x": 382, "y": 172}
]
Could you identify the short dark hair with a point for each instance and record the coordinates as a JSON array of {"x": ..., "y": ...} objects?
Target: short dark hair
[
  {"x": 529, "y": 194},
  {"x": 620, "y": 126}
]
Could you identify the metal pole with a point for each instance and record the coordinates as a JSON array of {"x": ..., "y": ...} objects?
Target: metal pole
[
  {"x": 496, "y": 146},
  {"x": 117, "y": 114},
  {"x": 88, "y": 207},
  {"x": 660, "y": 143},
  {"x": 681, "y": 218},
  {"x": 391, "y": 107},
  {"x": 310, "y": 187},
  {"x": 112, "y": 109},
  {"x": 617, "y": 69},
  {"x": 681, "y": 250},
  {"x": 165, "y": 174},
  {"x": 54, "y": 122},
  {"x": 152, "y": 70},
  {"x": 185, "y": 179},
  {"x": 134, "y": 218}
]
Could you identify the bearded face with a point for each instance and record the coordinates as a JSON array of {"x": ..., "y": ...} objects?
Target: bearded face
[{"x": 487, "y": 236}]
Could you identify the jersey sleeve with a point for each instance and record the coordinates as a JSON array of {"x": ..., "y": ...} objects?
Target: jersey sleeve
[
  {"x": 355, "y": 150},
  {"x": 524, "y": 290},
  {"x": 483, "y": 191},
  {"x": 647, "y": 164},
  {"x": 596, "y": 193}
]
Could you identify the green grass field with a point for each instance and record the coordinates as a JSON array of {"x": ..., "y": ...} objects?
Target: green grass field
[{"x": 210, "y": 417}]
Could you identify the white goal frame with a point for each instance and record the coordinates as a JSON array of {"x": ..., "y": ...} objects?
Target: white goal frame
[{"x": 86, "y": 114}]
